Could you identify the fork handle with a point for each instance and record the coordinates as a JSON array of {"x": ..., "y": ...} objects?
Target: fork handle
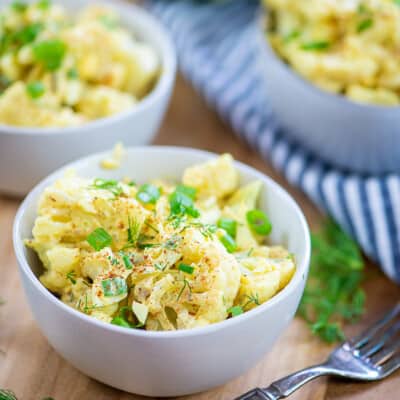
[{"x": 286, "y": 386}]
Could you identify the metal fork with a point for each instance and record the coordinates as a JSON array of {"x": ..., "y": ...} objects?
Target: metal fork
[{"x": 371, "y": 356}]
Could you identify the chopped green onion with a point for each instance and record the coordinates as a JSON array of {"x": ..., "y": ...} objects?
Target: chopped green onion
[
  {"x": 187, "y": 190},
  {"x": 235, "y": 311},
  {"x": 318, "y": 45},
  {"x": 19, "y": 6},
  {"x": 121, "y": 319},
  {"x": 259, "y": 222},
  {"x": 113, "y": 186},
  {"x": 132, "y": 183},
  {"x": 35, "y": 89},
  {"x": 364, "y": 25},
  {"x": 180, "y": 203},
  {"x": 27, "y": 34},
  {"x": 229, "y": 243},
  {"x": 229, "y": 225},
  {"x": 71, "y": 277},
  {"x": 99, "y": 239},
  {"x": 127, "y": 261},
  {"x": 108, "y": 21},
  {"x": 291, "y": 36},
  {"x": 114, "y": 286},
  {"x": 50, "y": 53},
  {"x": 397, "y": 2},
  {"x": 148, "y": 194},
  {"x": 44, "y": 4},
  {"x": 72, "y": 73},
  {"x": 186, "y": 268}
]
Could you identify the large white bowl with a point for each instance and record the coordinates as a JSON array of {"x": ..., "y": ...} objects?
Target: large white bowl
[
  {"x": 165, "y": 363},
  {"x": 350, "y": 135},
  {"x": 27, "y": 155}
]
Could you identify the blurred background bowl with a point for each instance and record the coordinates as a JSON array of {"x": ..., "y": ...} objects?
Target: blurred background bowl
[
  {"x": 165, "y": 363},
  {"x": 353, "y": 136},
  {"x": 29, "y": 154}
]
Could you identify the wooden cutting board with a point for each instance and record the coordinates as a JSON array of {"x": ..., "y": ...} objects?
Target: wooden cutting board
[{"x": 30, "y": 367}]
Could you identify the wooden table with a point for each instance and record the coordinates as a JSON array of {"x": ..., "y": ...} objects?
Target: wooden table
[{"x": 30, "y": 367}]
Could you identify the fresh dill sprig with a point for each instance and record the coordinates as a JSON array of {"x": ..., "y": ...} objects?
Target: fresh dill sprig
[
  {"x": 71, "y": 276},
  {"x": 185, "y": 284},
  {"x": 333, "y": 293}
]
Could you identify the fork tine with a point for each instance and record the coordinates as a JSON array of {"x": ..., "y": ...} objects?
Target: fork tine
[
  {"x": 367, "y": 335},
  {"x": 374, "y": 346},
  {"x": 391, "y": 365},
  {"x": 386, "y": 353}
]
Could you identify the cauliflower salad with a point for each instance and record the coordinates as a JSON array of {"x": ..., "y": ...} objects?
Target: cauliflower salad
[
  {"x": 66, "y": 71},
  {"x": 160, "y": 255}
]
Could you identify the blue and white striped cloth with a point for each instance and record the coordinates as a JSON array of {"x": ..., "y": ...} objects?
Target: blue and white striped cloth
[{"x": 217, "y": 53}]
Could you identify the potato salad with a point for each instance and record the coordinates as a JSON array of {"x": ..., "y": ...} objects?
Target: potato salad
[
  {"x": 58, "y": 70},
  {"x": 160, "y": 255},
  {"x": 349, "y": 47}
]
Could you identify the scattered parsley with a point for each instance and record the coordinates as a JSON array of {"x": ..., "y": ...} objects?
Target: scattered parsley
[
  {"x": 35, "y": 89},
  {"x": 99, "y": 239},
  {"x": 333, "y": 293}
]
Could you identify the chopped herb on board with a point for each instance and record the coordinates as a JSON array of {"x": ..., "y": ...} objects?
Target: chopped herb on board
[{"x": 333, "y": 293}]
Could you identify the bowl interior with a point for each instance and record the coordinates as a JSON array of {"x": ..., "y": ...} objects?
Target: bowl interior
[{"x": 145, "y": 163}]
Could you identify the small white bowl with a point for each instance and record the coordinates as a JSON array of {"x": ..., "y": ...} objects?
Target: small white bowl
[
  {"x": 165, "y": 363},
  {"x": 27, "y": 155},
  {"x": 354, "y": 136}
]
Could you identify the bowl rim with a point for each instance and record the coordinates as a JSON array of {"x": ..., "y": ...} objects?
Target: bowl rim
[
  {"x": 168, "y": 58},
  {"x": 300, "y": 275},
  {"x": 346, "y": 102}
]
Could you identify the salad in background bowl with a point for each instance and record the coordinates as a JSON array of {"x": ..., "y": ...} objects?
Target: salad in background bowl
[
  {"x": 76, "y": 77},
  {"x": 212, "y": 302},
  {"x": 331, "y": 74}
]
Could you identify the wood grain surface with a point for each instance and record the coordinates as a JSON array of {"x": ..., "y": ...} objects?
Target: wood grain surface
[{"x": 31, "y": 368}]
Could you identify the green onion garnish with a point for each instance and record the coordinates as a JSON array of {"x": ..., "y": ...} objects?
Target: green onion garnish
[
  {"x": 71, "y": 276},
  {"x": 291, "y": 36},
  {"x": 111, "y": 185},
  {"x": 26, "y": 34},
  {"x": 50, "y": 53},
  {"x": 235, "y": 311},
  {"x": 72, "y": 73},
  {"x": 35, "y": 89},
  {"x": 148, "y": 194},
  {"x": 7, "y": 395},
  {"x": 99, "y": 239},
  {"x": 259, "y": 222},
  {"x": 364, "y": 25},
  {"x": 187, "y": 190},
  {"x": 186, "y": 268},
  {"x": 181, "y": 203},
  {"x": 108, "y": 21},
  {"x": 397, "y": 2},
  {"x": 43, "y": 4},
  {"x": 318, "y": 45},
  {"x": 127, "y": 261},
  {"x": 19, "y": 6},
  {"x": 229, "y": 243},
  {"x": 229, "y": 225},
  {"x": 121, "y": 319},
  {"x": 114, "y": 286}
]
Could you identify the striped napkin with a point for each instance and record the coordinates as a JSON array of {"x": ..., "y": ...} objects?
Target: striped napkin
[{"x": 217, "y": 52}]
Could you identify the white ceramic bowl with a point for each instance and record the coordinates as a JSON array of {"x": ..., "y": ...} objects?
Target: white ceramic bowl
[
  {"x": 350, "y": 135},
  {"x": 27, "y": 155},
  {"x": 165, "y": 363}
]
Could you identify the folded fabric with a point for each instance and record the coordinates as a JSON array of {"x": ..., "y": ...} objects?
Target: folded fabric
[{"x": 217, "y": 52}]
